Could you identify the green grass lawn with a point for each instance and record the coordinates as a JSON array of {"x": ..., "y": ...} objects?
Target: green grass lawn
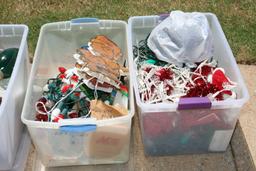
[{"x": 237, "y": 17}]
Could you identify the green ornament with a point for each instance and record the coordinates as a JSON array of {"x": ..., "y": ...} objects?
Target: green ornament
[
  {"x": 73, "y": 97},
  {"x": 71, "y": 100},
  {"x": 7, "y": 62},
  {"x": 103, "y": 96},
  {"x": 150, "y": 61},
  {"x": 60, "y": 105},
  {"x": 84, "y": 109},
  {"x": 52, "y": 86},
  {"x": 64, "y": 112},
  {"x": 124, "y": 93}
]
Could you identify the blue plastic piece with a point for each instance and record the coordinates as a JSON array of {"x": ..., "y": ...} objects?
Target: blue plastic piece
[
  {"x": 78, "y": 128},
  {"x": 84, "y": 20},
  {"x": 85, "y": 47}
]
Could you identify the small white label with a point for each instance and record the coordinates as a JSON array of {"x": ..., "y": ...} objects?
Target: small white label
[{"x": 220, "y": 140}]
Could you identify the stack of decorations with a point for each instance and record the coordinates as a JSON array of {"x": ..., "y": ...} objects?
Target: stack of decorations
[
  {"x": 176, "y": 61},
  {"x": 95, "y": 87}
]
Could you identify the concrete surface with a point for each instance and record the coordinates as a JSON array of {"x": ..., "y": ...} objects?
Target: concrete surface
[
  {"x": 248, "y": 113},
  {"x": 240, "y": 155}
]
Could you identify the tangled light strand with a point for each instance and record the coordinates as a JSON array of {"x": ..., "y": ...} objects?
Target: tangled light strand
[{"x": 153, "y": 90}]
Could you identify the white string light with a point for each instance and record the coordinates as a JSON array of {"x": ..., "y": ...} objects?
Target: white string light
[{"x": 181, "y": 78}]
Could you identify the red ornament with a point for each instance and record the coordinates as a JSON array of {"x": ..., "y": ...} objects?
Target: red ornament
[
  {"x": 123, "y": 88},
  {"x": 169, "y": 89},
  {"x": 77, "y": 94},
  {"x": 74, "y": 78},
  {"x": 41, "y": 117},
  {"x": 147, "y": 69},
  {"x": 43, "y": 100},
  {"x": 228, "y": 92},
  {"x": 40, "y": 106},
  {"x": 206, "y": 70},
  {"x": 65, "y": 88},
  {"x": 62, "y": 70},
  {"x": 60, "y": 116},
  {"x": 202, "y": 89},
  {"x": 219, "y": 78},
  {"x": 62, "y": 76},
  {"x": 164, "y": 74},
  {"x": 219, "y": 97},
  {"x": 73, "y": 115},
  {"x": 199, "y": 81}
]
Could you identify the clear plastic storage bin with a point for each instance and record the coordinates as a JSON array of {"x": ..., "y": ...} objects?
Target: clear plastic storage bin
[
  {"x": 109, "y": 143},
  {"x": 11, "y": 127},
  {"x": 166, "y": 130}
]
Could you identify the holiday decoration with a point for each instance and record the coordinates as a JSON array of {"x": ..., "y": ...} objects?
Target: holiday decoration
[
  {"x": 166, "y": 82},
  {"x": 182, "y": 88},
  {"x": 7, "y": 62},
  {"x": 89, "y": 89}
]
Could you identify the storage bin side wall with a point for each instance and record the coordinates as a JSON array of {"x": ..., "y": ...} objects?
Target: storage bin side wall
[
  {"x": 108, "y": 144},
  {"x": 11, "y": 107},
  {"x": 187, "y": 131}
]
